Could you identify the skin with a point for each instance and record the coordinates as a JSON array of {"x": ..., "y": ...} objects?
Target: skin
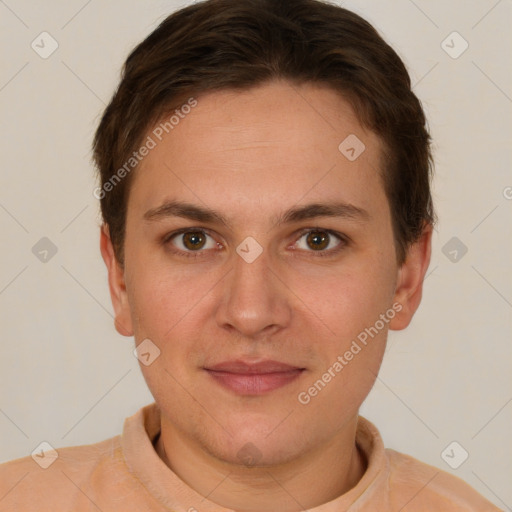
[{"x": 250, "y": 156}]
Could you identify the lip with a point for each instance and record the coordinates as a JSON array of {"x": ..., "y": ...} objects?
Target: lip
[{"x": 253, "y": 378}]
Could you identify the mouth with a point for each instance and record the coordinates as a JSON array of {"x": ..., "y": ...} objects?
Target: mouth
[{"x": 249, "y": 378}]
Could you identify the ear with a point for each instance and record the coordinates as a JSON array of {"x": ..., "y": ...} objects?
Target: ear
[
  {"x": 122, "y": 316},
  {"x": 410, "y": 279}
]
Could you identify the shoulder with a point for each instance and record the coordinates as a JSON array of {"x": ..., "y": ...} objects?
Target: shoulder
[
  {"x": 59, "y": 478},
  {"x": 417, "y": 486}
]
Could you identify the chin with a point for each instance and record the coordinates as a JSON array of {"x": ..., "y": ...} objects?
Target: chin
[
  {"x": 251, "y": 443},
  {"x": 256, "y": 453}
]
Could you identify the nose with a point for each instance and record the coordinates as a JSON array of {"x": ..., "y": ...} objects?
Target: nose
[{"x": 255, "y": 301}]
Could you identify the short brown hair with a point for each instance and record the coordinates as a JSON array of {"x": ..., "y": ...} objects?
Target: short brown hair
[{"x": 238, "y": 44}]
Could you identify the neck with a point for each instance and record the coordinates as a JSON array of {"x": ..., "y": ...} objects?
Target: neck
[{"x": 302, "y": 483}]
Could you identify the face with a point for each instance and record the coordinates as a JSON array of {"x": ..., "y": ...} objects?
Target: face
[{"x": 257, "y": 257}]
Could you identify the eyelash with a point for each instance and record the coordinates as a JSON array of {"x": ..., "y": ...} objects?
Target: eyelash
[{"x": 343, "y": 242}]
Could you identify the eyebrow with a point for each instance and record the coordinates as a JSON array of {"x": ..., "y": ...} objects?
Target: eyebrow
[
  {"x": 311, "y": 211},
  {"x": 185, "y": 210},
  {"x": 295, "y": 214}
]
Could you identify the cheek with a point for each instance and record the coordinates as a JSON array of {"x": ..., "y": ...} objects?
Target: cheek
[
  {"x": 351, "y": 341},
  {"x": 163, "y": 299},
  {"x": 350, "y": 303},
  {"x": 347, "y": 300},
  {"x": 166, "y": 307}
]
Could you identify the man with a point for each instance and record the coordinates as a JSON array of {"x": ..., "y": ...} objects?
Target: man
[{"x": 265, "y": 173}]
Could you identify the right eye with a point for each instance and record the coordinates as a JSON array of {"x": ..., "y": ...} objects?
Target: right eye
[{"x": 191, "y": 241}]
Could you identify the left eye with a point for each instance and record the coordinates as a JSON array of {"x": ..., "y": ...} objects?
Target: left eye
[{"x": 318, "y": 240}]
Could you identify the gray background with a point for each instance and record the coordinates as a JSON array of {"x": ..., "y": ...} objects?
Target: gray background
[{"x": 68, "y": 378}]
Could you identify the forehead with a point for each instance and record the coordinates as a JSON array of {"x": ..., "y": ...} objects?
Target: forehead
[{"x": 271, "y": 145}]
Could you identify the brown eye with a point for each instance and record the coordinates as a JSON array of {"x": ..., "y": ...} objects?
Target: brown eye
[
  {"x": 194, "y": 240},
  {"x": 318, "y": 240},
  {"x": 321, "y": 241}
]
